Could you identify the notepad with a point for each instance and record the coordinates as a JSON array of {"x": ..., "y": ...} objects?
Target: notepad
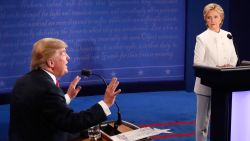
[{"x": 139, "y": 134}]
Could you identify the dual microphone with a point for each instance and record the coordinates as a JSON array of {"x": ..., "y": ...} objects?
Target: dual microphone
[
  {"x": 88, "y": 73},
  {"x": 229, "y": 36}
]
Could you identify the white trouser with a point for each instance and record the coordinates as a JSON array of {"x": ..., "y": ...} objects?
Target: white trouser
[{"x": 202, "y": 117}]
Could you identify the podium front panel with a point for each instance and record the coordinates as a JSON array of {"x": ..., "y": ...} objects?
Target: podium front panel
[{"x": 240, "y": 123}]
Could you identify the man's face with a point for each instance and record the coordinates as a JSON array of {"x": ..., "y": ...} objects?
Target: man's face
[{"x": 60, "y": 60}]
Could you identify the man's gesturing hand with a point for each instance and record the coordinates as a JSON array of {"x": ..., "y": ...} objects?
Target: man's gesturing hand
[
  {"x": 72, "y": 90},
  {"x": 111, "y": 92}
]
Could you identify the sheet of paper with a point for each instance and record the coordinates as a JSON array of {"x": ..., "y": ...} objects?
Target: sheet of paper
[{"x": 139, "y": 134}]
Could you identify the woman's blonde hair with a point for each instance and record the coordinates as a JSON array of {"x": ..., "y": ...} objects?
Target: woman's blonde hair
[
  {"x": 216, "y": 7},
  {"x": 44, "y": 49}
]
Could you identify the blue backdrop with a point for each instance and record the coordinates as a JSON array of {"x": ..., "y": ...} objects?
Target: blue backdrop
[{"x": 137, "y": 40}]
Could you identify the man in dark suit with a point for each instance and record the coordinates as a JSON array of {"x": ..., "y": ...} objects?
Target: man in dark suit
[{"x": 39, "y": 110}]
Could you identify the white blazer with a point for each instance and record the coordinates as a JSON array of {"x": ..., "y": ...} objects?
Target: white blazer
[{"x": 213, "y": 49}]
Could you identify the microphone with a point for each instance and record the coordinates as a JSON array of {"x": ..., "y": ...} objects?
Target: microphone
[
  {"x": 229, "y": 36},
  {"x": 88, "y": 73}
]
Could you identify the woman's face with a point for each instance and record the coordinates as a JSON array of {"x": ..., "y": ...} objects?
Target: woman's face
[{"x": 213, "y": 20}]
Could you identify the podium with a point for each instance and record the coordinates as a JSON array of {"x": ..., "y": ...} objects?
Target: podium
[
  {"x": 124, "y": 127},
  {"x": 223, "y": 81}
]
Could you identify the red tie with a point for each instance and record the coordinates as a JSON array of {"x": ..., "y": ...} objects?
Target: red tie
[{"x": 57, "y": 84}]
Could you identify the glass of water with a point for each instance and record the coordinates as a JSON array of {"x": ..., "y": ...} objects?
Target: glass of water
[{"x": 94, "y": 133}]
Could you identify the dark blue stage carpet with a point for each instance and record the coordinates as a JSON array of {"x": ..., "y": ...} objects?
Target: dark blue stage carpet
[{"x": 166, "y": 109}]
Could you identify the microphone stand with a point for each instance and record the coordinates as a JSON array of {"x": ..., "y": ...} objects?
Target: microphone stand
[
  {"x": 119, "y": 118},
  {"x": 229, "y": 36}
]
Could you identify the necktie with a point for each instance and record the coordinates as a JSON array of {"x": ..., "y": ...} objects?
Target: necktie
[{"x": 57, "y": 84}]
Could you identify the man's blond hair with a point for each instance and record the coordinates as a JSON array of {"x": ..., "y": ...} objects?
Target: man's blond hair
[{"x": 44, "y": 49}]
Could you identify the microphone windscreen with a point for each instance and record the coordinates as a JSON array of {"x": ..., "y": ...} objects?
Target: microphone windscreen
[
  {"x": 86, "y": 72},
  {"x": 229, "y": 36}
]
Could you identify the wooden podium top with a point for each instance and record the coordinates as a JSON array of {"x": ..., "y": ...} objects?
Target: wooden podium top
[{"x": 124, "y": 127}]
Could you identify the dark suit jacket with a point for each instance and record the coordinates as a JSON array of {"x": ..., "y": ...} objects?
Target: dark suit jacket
[{"x": 38, "y": 111}]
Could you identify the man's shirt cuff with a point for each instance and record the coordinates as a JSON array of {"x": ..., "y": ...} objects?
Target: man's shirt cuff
[
  {"x": 105, "y": 107},
  {"x": 68, "y": 100}
]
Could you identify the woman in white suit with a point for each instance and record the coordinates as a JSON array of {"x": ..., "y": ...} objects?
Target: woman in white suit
[{"x": 213, "y": 48}]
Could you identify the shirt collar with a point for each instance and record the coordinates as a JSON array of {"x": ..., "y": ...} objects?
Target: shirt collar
[{"x": 51, "y": 75}]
